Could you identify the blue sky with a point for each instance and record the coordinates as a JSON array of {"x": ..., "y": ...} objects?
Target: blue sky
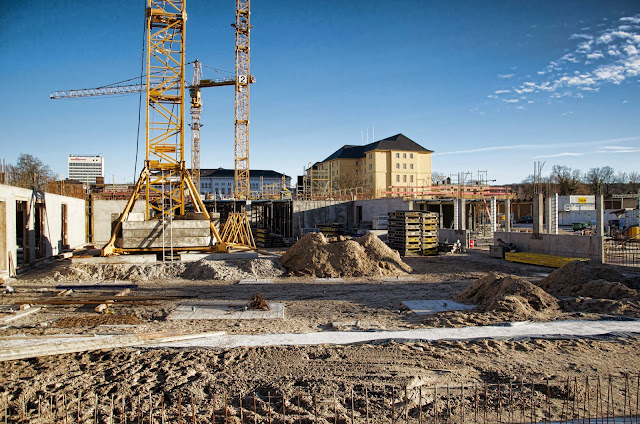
[{"x": 493, "y": 85}]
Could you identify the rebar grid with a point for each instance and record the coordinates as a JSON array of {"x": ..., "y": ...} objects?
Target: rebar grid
[{"x": 593, "y": 400}]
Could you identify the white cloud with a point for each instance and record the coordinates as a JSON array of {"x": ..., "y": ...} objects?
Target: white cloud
[
  {"x": 585, "y": 46},
  {"x": 537, "y": 146},
  {"x": 630, "y": 49},
  {"x": 610, "y": 73},
  {"x": 557, "y": 155},
  {"x": 605, "y": 38},
  {"x": 627, "y": 150},
  {"x": 585, "y": 36},
  {"x": 625, "y": 101},
  {"x": 587, "y": 68},
  {"x": 631, "y": 19},
  {"x": 511, "y": 100}
]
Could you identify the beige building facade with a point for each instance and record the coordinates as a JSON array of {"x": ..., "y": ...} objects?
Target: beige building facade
[{"x": 391, "y": 167}]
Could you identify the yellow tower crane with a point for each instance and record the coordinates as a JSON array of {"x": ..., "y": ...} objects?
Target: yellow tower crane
[
  {"x": 165, "y": 180},
  {"x": 237, "y": 229}
]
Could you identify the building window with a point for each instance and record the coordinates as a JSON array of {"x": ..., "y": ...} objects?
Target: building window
[
  {"x": 397, "y": 155},
  {"x": 370, "y": 155},
  {"x": 404, "y": 166},
  {"x": 411, "y": 155},
  {"x": 411, "y": 165},
  {"x": 397, "y": 178},
  {"x": 404, "y": 178},
  {"x": 356, "y": 163},
  {"x": 397, "y": 166},
  {"x": 356, "y": 172},
  {"x": 404, "y": 155},
  {"x": 411, "y": 178},
  {"x": 370, "y": 166}
]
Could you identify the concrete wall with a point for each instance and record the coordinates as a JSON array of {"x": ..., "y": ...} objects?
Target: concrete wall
[
  {"x": 373, "y": 207},
  {"x": 103, "y": 215},
  {"x": 52, "y": 241},
  {"x": 309, "y": 213},
  {"x": 554, "y": 244}
]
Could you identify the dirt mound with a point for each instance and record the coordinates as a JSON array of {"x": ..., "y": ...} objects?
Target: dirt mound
[
  {"x": 200, "y": 270},
  {"x": 584, "y": 278},
  {"x": 365, "y": 256},
  {"x": 510, "y": 294}
]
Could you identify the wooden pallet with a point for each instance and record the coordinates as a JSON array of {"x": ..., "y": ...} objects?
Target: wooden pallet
[{"x": 541, "y": 259}]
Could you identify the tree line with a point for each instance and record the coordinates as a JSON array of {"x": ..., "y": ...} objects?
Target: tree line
[
  {"x": 566, "y": 181},
  {"x": 28, "y": 172}
]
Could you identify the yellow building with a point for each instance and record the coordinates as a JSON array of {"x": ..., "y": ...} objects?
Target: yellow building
[{"x": 395, "y": 166}]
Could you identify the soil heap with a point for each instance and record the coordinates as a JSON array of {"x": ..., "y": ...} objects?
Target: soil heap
[
  {"x": 594, "y": 287},
  {"x": 235, "y": 269},
  {"x": 364, "y": 256},
  {"x": 589, "y": 279},
  {"x": 509, "y": 294}
]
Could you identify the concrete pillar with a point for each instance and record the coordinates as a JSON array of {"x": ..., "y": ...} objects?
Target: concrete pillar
[
  {"x": 494, "y": 214},
  {"x": 538, "y": 212},
  {"x": 507, "y": 215},
  {"x": 463, "y": 214},
  {"x": 599, "y": 216},
  {"x": 456, "y": 214},
  {"x": 553, "y": 214},
  {"x": 441, "y": 219}
]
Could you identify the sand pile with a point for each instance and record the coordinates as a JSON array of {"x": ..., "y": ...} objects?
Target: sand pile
[
  {"x": 510, "y": 294},
  {"x": 587, "y": 279},
  {"x": 365, "y": 256},
  {"x": 200, "y": 270}
]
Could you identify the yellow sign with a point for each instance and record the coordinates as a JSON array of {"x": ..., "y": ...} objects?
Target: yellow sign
[{"x": 582, "y": 200}]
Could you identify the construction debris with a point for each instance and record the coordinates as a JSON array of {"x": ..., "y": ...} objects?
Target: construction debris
[
  {"x": 17, "y": 315},
  {"x": 365, "y": 256},
  {"x": 257, "y": 302},
  {"x": 95, "y": 320}
]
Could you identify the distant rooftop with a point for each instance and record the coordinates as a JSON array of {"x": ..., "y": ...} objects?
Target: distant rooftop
[
  {"x": 396, "y": 142},
  {"x": 229, "y": 173}
]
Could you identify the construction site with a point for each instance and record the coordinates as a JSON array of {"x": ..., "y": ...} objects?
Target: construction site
[{"x": 364, "y": 292}]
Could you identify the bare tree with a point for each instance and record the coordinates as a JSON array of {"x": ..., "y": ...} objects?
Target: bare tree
[
  {"x": 566, "y": 179},
  {"x": 30, "y": 172},
  {"x": 599, "y": 179}
]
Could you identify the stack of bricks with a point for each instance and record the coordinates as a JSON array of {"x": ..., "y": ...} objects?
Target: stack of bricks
[{"x": 413, "y": 233}]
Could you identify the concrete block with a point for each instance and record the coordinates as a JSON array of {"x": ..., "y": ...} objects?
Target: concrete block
[
  {"x": 257, "y": 281},
  {"x": 155, "y": 234},
  {"x": 193, "y": 256},
  {"x": 119, "y": 259},
  {"x": 428, "y": 307},
  {"x": 224, "y": 309}
]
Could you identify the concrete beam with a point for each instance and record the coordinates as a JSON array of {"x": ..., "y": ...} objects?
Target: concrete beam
[{"x": 507, "y": 215}]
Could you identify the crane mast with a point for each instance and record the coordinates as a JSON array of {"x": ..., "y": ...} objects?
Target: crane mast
[
  {"x": 242, "y": 188},
  {"x": 164, "y": 179},
  {"x": 196, "y": 111}
]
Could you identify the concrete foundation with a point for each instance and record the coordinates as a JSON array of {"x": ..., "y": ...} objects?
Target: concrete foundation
[
  {"x": 156, "y": 234},
  {"x": 554, "y": 244}
]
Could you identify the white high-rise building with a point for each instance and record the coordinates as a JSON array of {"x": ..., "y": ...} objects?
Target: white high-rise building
[{"x": 85, "y": 168}]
